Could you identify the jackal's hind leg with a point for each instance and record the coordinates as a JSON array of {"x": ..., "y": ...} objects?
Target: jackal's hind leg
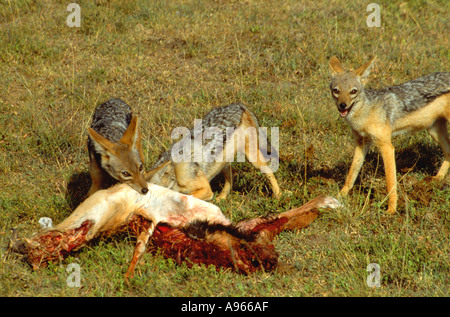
[
  {"x": 262, "y": 165},
  {"x": 439, "y": 133}
]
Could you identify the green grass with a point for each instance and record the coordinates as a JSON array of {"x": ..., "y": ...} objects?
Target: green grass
[{"x": 173, "y": 61}]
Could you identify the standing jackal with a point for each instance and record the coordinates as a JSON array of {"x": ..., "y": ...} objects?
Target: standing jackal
[
  {"x": 377, "y": 115},
  {"x": 114, "y": 146},
  {"x": 236, "y": 131}
]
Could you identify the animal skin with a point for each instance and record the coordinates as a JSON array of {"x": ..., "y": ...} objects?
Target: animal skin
[{"x": 179, "y": 226}]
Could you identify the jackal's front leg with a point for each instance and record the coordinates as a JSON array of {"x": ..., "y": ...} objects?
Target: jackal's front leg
[
  {"x": 228, "y": 175},
  {"x": 193, "y": 182},
  {"x": 362, "y": 146},
  {"x": 388, "y": 155},
  {"x": 98, "y": 175}
]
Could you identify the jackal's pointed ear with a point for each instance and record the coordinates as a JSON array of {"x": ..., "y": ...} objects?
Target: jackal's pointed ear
[
  {"x": 102, "y": 145},
  {"x": 149, "y": 175},
  {"x": 131, "y": 134},
  {"x": 363, "y": 71},
  {"x": 335, "y": 65}
]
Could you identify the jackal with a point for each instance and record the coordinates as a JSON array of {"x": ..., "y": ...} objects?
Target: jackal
[
  {"x": 114, "y": 146},
  {"x": 232, "y": 123},
  {"x": 377, "y": 115}
]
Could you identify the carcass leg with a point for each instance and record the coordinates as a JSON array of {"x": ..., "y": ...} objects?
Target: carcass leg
[{"x": 139, "y": 250}]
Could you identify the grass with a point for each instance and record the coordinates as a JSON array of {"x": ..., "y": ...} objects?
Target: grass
[{"x": 174, "y": 61}]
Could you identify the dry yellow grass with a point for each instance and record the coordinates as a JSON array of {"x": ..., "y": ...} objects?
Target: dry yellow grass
[{"x": 173, "y": 61}]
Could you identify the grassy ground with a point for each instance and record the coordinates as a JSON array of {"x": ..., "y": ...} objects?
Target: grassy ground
[{"x": 173, "y": 61}]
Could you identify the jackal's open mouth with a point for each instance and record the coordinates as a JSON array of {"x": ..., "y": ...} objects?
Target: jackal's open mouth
[{"x": 345, "y": 112}]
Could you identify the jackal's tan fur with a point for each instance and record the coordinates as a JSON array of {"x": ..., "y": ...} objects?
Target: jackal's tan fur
[{"x": 376, "y": 115}]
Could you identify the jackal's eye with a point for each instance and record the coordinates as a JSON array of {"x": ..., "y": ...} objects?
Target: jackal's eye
[
  {"x": 353, "y": 91},
  {"x": 335, "y": 91},
  {"x": 141, "y": 167},
  {"x": 125, "y": 174}
]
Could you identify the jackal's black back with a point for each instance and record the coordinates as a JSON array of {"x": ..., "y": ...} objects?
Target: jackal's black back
[
  {"x": 416, "y": 93},
  {"x": 221, "y": 118},
  {"x": 111, "y": 119}
]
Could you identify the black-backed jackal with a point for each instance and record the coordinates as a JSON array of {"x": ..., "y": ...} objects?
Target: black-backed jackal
[
  {"x": 229, "y": 125},
  {"x": 375, "y": 115},
  {"x": 114, "y": 146}
]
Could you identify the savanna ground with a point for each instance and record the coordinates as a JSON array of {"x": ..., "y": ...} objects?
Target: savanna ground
[{"x": 173, "y": 61}]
